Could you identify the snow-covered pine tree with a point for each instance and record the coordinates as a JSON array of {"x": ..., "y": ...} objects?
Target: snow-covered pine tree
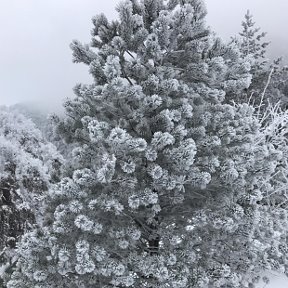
[
  {"x": 27, "y": 165},
  {"x": 167, "y": 185},
  {"x": 269, "y": 78},
  {"x": 252, "y": 44}
]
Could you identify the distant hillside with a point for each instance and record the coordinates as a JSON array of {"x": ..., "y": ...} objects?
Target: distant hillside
[{"x": 36, "y": 111}]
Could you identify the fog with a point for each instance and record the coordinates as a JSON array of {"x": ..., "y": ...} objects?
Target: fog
[{"x": 35, "y": 59}]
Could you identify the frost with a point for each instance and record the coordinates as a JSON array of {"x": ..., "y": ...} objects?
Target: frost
[{"x": 174, "y": 179}]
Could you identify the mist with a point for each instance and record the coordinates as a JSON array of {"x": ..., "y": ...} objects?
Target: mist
[{"x": 35, "y": 60}]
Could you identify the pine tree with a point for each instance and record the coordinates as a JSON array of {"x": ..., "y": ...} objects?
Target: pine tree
[
  {"x": 167, "y": 185},
  {"x": 27, "y": 165},
  {"x": 269, "y": 78},
  {"x": 251, "y": 42}
]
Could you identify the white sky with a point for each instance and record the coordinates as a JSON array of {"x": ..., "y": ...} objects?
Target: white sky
[{"x": 35, "y": 59}]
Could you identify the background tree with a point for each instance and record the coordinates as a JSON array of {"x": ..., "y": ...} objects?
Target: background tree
[
  {"x": 167, "y": 185},
  {"x": 27, "y": 165},
  {"x": 252, "y": 42},
  {"x": 269, "y": 77}
]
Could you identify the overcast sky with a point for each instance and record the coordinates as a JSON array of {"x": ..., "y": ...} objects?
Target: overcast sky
[{"x": 35, "y": 58}]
